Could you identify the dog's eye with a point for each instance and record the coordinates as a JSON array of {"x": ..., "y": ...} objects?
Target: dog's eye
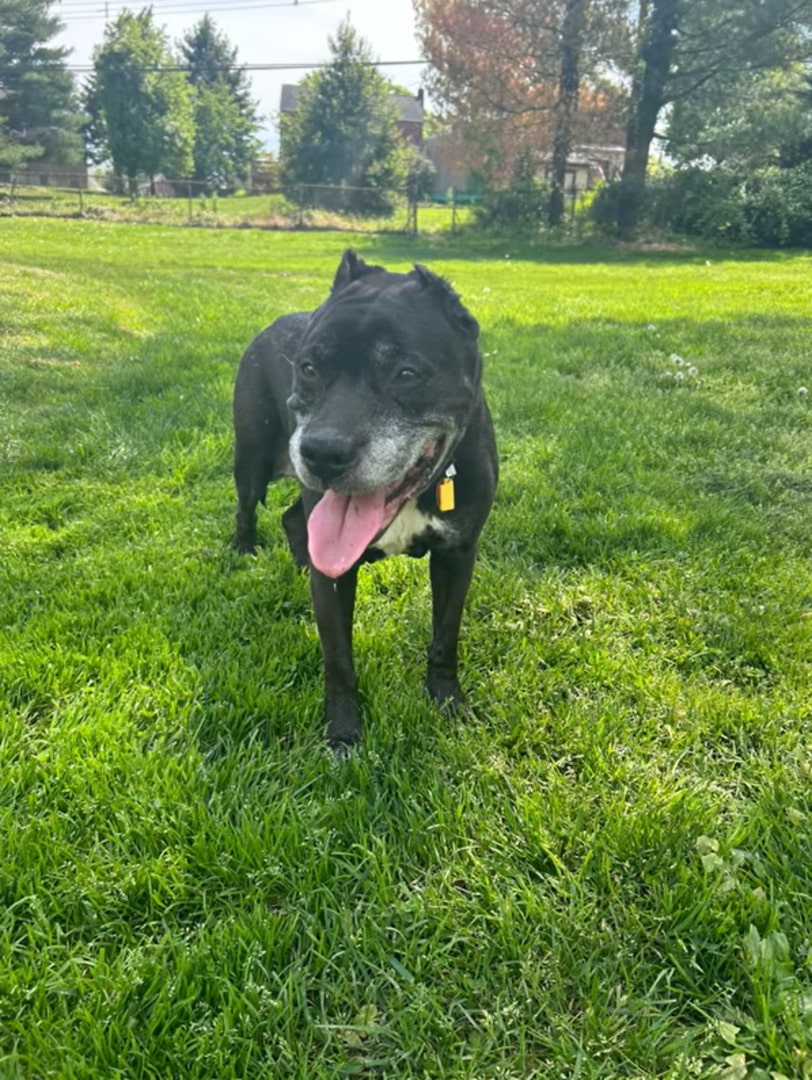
[
  {"x": 307, "y": 370},
  {"x": 407, "y": 375}
]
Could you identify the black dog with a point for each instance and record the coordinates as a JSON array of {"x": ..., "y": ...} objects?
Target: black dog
[{"x": 374, "y": 403}]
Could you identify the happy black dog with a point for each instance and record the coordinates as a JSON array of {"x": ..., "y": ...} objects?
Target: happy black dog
[{"x": 374, "y": 403}]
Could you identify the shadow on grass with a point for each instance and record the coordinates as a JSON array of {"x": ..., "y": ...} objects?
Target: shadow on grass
[{"x": 482, "y": 247}]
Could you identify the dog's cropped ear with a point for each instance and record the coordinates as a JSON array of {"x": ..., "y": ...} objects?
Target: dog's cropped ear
[
  {"x": 448, "y": 297},
  {"x": 351, "y": 268}
]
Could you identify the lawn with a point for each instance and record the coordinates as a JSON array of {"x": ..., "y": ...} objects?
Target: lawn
[{"x": 606, "y": 874}]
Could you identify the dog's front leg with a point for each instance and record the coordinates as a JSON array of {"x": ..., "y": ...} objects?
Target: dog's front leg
[
  {"x": 333, "y": 603},
  {"x": 450, "y": 572}
]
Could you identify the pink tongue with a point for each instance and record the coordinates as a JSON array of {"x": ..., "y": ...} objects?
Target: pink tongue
[{"x": 341, "y": 528}]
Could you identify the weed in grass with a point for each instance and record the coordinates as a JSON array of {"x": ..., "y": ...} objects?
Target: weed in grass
[{"x": 604, "y": 874}]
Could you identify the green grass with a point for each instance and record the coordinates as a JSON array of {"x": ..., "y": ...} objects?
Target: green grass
[{"x": 607, "y": 874}]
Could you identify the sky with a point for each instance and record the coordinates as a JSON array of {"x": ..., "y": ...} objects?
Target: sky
[{"x": 276, "y": 31}]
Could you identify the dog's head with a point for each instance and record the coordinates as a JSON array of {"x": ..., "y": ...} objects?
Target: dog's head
[
  {"x": 384, "y": 380},
  {"x": 384, "y": 383}
]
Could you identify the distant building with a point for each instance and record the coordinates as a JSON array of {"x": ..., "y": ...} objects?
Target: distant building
[
  {"x": 449, "y": 172},
  {"x": 588, "y": 166},
  {"x": 48, "y": 170},
  {"x": 44, "y": 172},
  {"x": 410, "y": 112}
]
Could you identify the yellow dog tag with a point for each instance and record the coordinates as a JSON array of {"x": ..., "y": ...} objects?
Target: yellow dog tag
[
  {"x": 445, "y": 494},
  {"x": 445, "y": 491}
]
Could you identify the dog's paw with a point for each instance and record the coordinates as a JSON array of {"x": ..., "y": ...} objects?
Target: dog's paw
[
  {"x": 244, "y": 543},
  {"x": 341, "y": 752},
  {"x": 343, "y": 725},
  {"x": 448, "y": 694}
]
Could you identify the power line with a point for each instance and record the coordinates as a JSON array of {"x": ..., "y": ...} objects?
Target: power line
[
  {"x": 100, "y": 9},
  {"x": 84, "y": 69}
]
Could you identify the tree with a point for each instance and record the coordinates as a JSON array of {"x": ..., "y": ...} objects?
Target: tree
[
  {"x": 344, "y": 129},
  {"x": 682, "y": 48},
  {"x": 656, "y": 42},
  {"x": 140, "y": 105},
  {"x": 40, "y": 114},
  {"x": 745, "y": 122},
  {"x": 226, "y": 119},
  {"x": 523, "y": 77}
]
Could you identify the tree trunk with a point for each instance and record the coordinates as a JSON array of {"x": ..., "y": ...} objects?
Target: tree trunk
[
  {"x": 658, "y": 21},
  {"x": 569, "y": 80}
]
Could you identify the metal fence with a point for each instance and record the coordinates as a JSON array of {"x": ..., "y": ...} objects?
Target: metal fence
[{"x": 190, "y": 202}]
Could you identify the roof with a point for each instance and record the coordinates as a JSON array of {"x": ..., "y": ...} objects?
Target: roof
[{"x": 410, "y": 109}]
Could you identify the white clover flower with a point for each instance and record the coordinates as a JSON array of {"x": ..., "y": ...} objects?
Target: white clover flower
[
  {"x": 692, "y": 371},
  {"x": 676, "y": 359},
  {"x": 486, "y": 289},
  {"x": 679, "y": 375},
  {"x": 803, "y": 391},
  {"x": 651, "y": 328}
]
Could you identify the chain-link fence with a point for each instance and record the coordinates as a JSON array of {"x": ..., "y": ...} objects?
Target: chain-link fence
[{"x": 189, "y": 202}]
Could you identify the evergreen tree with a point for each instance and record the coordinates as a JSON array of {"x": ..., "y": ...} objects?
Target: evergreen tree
[
  {"x": 344, "y": 130},
  {"x": 38, "y": 108},
  {"x": 226, "y": 119}
]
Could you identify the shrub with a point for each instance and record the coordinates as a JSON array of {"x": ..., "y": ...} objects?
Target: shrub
[
  {"x": 771, "y": 207},
  {"x": 778, "y": 206},
  {"x": 522, "y": 205}
]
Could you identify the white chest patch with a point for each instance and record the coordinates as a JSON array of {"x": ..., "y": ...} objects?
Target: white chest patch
[{"x": 407, "y": 526}]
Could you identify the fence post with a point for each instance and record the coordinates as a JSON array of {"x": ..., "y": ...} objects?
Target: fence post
[
  {"x": 453, "y": 212},
  {"x": 301, "y": 206},
  {"x": 189, "y": 190},
  {"x": 81, "y": 201},
  {"x": 412, "y": 217}
]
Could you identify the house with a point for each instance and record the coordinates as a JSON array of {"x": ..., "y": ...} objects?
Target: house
[
  {"x": 410, "y": 112},
  {"x": 587, "y": 166},
  {"x": 45, "y": 172}
]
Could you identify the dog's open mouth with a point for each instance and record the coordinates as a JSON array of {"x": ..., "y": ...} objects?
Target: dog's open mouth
[{"x": 341, "y": 527}]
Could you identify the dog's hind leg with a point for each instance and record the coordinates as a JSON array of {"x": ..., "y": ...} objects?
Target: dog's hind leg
[
  {"x": 252, "y": 473},
  {"x": 295, "y": 527}
]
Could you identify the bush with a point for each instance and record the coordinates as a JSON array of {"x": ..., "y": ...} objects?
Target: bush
[
  {"x": 419, "y": 176},
  {"x": 602, "y": 210},
  {"x": 699, "y": 203},
  {"x": 522, "y": 205},
  {"x": 771, "y": 207},
  {"x": 778, "y": 206},
  {"x": 513, "y": 209}
]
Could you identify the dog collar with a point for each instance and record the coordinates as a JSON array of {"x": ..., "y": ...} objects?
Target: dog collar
[{"x": 445, "y": 490}]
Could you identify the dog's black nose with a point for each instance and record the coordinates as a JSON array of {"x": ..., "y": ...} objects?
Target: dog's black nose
[{"x": 328, "y": 454}]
